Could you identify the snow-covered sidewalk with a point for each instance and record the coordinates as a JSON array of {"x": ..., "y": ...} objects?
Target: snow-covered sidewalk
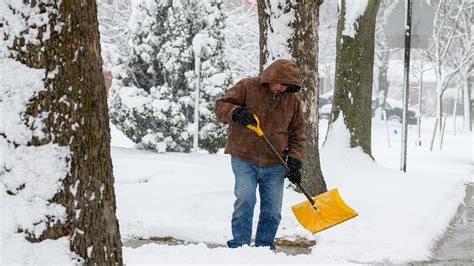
[{"x": 401, "y": 216}]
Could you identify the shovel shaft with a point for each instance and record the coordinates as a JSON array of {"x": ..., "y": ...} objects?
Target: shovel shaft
[{"x": 270, "y": 145}]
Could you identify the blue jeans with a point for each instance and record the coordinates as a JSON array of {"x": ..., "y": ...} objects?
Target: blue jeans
[{"x": 270, "y": 182}]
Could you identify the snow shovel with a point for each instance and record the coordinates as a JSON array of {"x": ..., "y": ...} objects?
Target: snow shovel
[{"x": 324, "y": 211}]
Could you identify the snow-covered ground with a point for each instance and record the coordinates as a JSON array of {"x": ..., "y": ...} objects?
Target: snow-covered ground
[{"x": 401, "y": 216}]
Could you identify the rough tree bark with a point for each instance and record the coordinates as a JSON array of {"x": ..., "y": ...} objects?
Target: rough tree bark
[
  {"x": 75, "y": 99},
  {"x": 354, "y": 76},
  {"x": 302, "y": 47}
]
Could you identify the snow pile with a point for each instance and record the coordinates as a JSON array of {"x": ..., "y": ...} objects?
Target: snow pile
[
  {"x": 190, "y": 197},
  {"x": 408, "y": 210}
]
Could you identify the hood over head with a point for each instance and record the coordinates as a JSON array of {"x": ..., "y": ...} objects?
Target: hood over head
[{"x": 282, "y": 71}]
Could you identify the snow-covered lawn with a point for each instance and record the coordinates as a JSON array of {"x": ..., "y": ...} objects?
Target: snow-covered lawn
[{"x": 401, "y": 216}]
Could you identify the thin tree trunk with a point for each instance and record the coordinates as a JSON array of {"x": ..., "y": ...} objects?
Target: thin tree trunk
[
  {"x": 384, "y": 84},
  {"x": 354, "y": 76},
  {"x": 302, "y": 47},
  {"x": 264, "y": 27},
  {"x": 467, "y": 112},
  {"x": 439, "y": 107},
  {"x": 75, "y": 99}
]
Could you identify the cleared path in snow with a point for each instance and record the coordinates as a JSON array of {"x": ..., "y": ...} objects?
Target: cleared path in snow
[
  {"x": 458, "y": 245},
  {"x": 287, "y": 249}
]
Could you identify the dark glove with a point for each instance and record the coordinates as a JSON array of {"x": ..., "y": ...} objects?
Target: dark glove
[
  {"x": 243, "y": 116},
  {"x": 294, "y": 175}
]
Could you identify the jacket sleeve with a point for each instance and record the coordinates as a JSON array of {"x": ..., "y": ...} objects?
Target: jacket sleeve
[
  {"x": 233, "y": 98},
  {"x": 296, "y": 134}
]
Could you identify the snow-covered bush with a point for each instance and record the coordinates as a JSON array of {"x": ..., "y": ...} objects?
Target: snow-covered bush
[
  {"x": 152, "y": 99},
  {"x": 242, "y": 40}
]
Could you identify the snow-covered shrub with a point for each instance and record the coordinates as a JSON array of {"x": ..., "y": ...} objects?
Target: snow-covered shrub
[
  {"x": 152, "y": 98},
  {"x": 151, "y": 119},
  {"x": 242, "y": 40}
]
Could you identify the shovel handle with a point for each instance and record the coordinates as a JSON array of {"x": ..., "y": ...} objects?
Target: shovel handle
[{"x": 275, "y": 152}]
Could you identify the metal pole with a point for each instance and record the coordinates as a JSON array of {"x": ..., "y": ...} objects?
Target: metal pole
[
  {"x": 403, "y": 161},
  {"x": 419, "y": 101},
  {"x": 197, "y": 60}
]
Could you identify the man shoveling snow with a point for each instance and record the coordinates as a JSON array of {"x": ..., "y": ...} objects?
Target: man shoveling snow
[{"x": 272, "y": 96}]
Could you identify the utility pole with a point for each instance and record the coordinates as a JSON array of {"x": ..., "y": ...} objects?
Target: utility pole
[
  {"x": 406, "y": 79},
  {"x": 420, "y": 97}
]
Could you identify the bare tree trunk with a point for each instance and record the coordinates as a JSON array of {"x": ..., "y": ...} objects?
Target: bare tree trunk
[
  {"x": 302, "y": 46},
  {"x": 354, "y": 76},
  {"x": 75, "y": 99},
  {"x": 383, "y": 82},
  {"x": 264, "y": 26},
  {"x": 439, "y": 106},
  {"x": 467, "y": 107}
]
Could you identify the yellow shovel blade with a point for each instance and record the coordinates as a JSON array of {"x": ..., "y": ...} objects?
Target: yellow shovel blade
[{"x": 331, "y": 210}]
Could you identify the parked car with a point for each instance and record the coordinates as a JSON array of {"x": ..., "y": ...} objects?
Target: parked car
[
  {"x": 325, "y": 105},
  {"x": 325, "y": 98},
  {"x": 393, "y": 108},
  {"x": 325, "y": 111}
]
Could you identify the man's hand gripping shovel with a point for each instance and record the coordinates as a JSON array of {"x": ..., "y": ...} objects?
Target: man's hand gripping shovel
[{"x": 318, "y": 213}]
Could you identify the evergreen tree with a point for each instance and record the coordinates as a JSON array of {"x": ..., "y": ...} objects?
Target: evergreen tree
[{"x": 153, "y": 102}]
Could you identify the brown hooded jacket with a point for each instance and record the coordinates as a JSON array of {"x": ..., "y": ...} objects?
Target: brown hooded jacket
[{"x": 281, "y": 115}]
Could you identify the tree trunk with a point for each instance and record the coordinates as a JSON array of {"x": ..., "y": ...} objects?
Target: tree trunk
[
  {"x": 305, "y": 51},
  {"x": 75, "y": 100},
  {"x": 383, "y": 82},
  {"x": 439, "y": 107},
  {"x": 302, "y": 47},
  {"x": 354, "y": 76},
  {"x": 264, "y": 26},
  {"x": 467, "y": 107}
]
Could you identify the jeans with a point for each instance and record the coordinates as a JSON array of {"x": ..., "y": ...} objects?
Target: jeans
[{"x": 270, "y": 182}]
